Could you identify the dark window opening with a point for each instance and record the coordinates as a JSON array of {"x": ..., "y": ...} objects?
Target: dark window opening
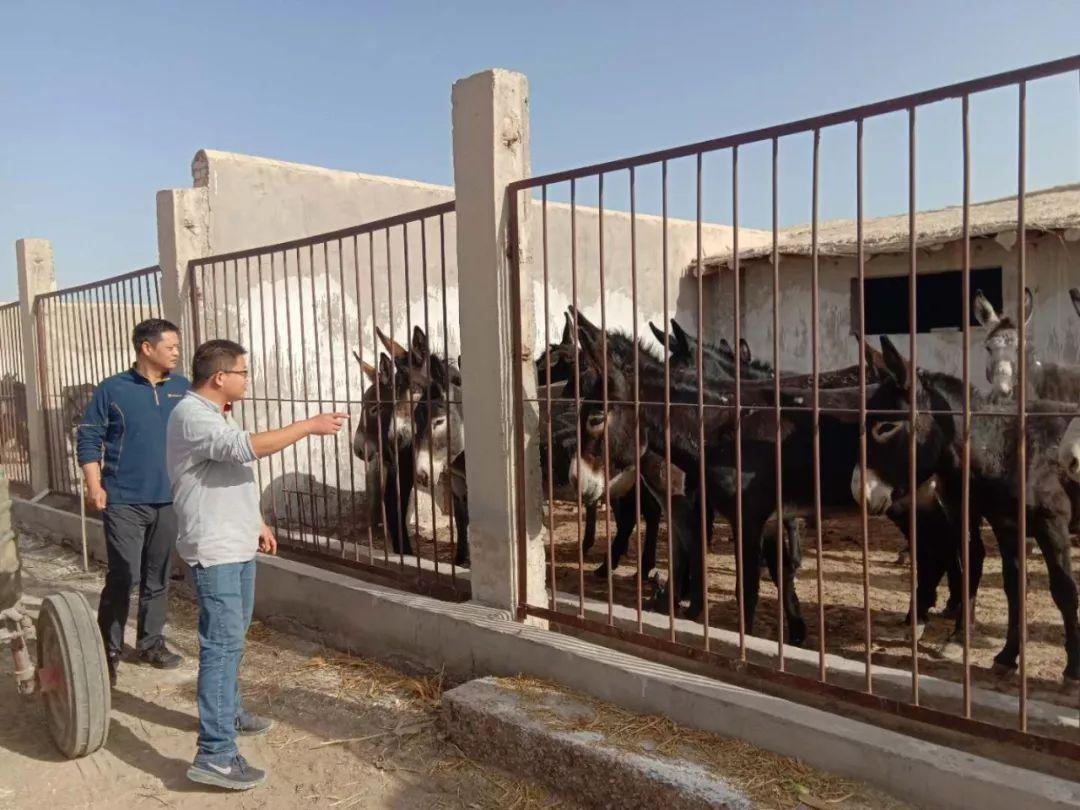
[{"x": 938, "y": 300}]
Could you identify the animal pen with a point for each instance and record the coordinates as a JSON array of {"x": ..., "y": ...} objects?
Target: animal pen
[
  {"x": 640, "y": 415},
  {"x": 670, "y": 433}
]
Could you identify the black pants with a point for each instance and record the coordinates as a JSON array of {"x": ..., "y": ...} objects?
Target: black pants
[{"x": 139, "y": 539}]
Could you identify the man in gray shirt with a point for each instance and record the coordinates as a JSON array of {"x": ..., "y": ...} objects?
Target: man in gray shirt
[{"x": 220, "y": 529}]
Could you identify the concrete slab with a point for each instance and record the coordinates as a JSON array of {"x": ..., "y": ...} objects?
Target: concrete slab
[{"x": 495, "y": 724}]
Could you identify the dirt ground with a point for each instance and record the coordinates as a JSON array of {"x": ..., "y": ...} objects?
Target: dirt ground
[
  {"x": 350, "y": 732},
  {"x": 842, "y": 588}
]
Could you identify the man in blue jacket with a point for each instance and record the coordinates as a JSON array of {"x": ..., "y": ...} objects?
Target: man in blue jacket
[{"x": 121, "y": 449}]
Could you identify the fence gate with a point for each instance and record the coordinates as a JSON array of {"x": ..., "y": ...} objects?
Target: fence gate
[
  {"x": 84, "y": 335},
  {"x": 321, "y": 318},
  {"x": 14, "y": 437},
  {"x": 662, "y": 436}
]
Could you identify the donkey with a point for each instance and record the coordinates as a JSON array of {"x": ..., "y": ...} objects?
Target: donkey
[
  {"x": 1053, "y": 381},
  {"x": 759, "y": 433},
  {"x": 994, "y": 485},
  {"x": 385, "y": 448}
]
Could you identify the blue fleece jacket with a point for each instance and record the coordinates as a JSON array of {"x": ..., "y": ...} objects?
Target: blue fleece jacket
[{"x": 124, "y": 429}]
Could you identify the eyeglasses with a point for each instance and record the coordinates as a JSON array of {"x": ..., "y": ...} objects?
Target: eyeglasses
[{"x": 245, "y": 372}]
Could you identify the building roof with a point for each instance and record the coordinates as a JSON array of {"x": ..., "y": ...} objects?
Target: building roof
[{"x": 1052, "y": 209}]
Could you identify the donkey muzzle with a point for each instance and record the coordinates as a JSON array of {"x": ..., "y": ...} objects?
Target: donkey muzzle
[{"x": 878, "y": 494}]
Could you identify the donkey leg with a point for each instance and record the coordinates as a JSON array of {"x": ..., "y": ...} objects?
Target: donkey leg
[
  {"x": 793, "y": 618},
  {"x": 1005, "y": 661},
  {"x": 652, "y": 512},
  {"x": 404, "y": 491},
  {"x": 693, "y": 573},
  {"x": 1053, "y": 540},
  {"x": 461, "y": 525},
  {"x": 625, "y": 509},
  {"x": 590, "y": 527},
  {"x": 753, "y": 527}
]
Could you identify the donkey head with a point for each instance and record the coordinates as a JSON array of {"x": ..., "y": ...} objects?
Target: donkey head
[
  {"x": 889, "y": 427},
  {"x": 377, "y": 405},
  {"x": 607, "y": 433},
  {"x": 1002, "y": 343}
]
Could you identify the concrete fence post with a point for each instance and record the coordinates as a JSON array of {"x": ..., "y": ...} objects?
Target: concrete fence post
[
  {"x": 491, "y": 149},
  {"x": 183, "y": 235},
  {"x": 37, "y": 275}
]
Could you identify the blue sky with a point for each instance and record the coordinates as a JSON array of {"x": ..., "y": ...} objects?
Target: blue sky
[{"x": 103, "y": 104}]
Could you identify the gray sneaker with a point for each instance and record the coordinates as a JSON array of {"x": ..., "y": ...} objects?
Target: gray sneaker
[
  {"x": 252, "y": 725},
  {"x": 236, "y": 775}
]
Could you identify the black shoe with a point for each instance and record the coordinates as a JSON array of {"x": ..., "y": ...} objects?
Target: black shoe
[
  {"x": 236, "y": 775},
  {"x": 160, "y": 656},
  {"x": 112, "y": 661},
  {"x": 252, "y": 725}
]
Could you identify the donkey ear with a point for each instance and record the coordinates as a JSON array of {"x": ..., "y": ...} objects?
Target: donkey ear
[
  {"x": 386, "y": 369},
  {"x": 1029, "y": 306},
  {"x": 583, "y": 323},
  {"x": 683, "y": 346},
  {"x": 683, "y": 342},
  {"x": 591, "y": 349},
  {"x": 419, "y": 342},
  {"x": 744, "y": 351},
  {"x": 662, "y": 337},
  {"x": 369, "y": 370},
  {"x": 984, "y": 311},
  {"x": 567, "y": 330},
  {"x": 895, "y": 365},
  {"x": 396, "y": 350},
  {"x": 725, "y": 347},
  {"x": 1074, "y": 294}
]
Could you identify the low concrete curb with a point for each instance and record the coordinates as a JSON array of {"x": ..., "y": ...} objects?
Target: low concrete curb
[
  {"x": 469, "y": 640},
  {"x": 493, "y": 724}
]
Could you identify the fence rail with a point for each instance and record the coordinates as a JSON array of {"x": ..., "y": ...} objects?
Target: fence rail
[
  {"x": 84, "y": 335},
  {"x": 699, "y": 429},
  {"x": 310, "y": 312}
]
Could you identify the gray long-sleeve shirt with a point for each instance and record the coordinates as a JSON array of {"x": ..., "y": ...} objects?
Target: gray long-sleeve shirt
[{"x": 214, "y": 491}]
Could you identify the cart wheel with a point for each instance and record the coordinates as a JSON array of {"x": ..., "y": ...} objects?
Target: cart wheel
[{"x": 73, "y": 674}]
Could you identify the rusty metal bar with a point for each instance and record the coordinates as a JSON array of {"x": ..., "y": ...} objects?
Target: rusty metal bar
[
  {"x": 412, "y": 402},
  {"x": 868, "y": 630},
  {"x": 336, "y": 440},
  {"x": 604, "y": 392},
  {"x": 449, "y": 399},
  {"x": 431, "y": 454},
  {"x": 705, "y": 526},
  {"x": 740, "y": 570},
  {"x": 348, "y": 399},
  {"x": 401, "y": 520},
  {"x": 378, "y": 401},
  {"x": 552, "y": 603},
  {"x": 266, "y": 379},
  {"x": 359, "y": 230},
  {"x": 913, "y": 484},
  {"x": 1021, "y": 396},
  {"x": 667, "y": 409},
  {"x": 637, "y": 397},
  {"x": 965, "y": 480},
  {"x": 778, "y": 427},
  {"x": 577, "y": 390},
  {"x": 816, "y": 404}
]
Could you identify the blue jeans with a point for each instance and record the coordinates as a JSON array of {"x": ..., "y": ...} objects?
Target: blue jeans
[{"x": 226, "y": 600}]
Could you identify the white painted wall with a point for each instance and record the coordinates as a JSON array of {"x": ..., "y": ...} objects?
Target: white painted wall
[{"x": 1053, "y": 265}]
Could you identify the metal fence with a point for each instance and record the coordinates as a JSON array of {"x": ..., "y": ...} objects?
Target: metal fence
[
  {"x": 654, "y": 444},
  {"x": 362, "y": 320},
  {"x": 84, "y": 335},
  {"x": 14, "y": 435}
]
